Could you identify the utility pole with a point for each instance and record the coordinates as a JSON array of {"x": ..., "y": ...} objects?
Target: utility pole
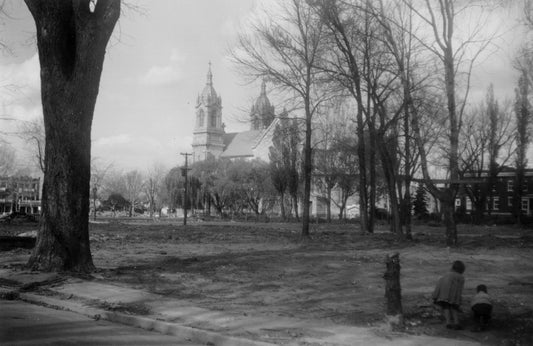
[{"x": 184, "y": 172}]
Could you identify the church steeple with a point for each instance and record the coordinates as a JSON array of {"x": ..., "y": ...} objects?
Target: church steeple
[
  {"x": 262, "y": 113},
  {"x": 209, "y": 129},
  {"x": 263, "y": 88},
  {"x": 209, "y": 75}
]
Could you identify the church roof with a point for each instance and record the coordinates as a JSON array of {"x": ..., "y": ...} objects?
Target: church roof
[
  {"x": 240, "y": 144},
  {"x": 262, "y": 103},
  {"x": 209, "y": 94}
]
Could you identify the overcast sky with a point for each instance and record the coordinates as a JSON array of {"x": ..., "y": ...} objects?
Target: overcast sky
[{"x": 156, "y": 65}]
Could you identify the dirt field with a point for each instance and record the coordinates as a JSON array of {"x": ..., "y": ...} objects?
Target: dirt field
[{"x": 264, "y": 269}]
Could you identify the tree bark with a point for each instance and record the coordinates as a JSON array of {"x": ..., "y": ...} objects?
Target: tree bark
[
  {"x": 71, "y": 41},
  {"x": 389, "y": 171},
  {"x": 393, "y": 291},
  {"x": 328, "y": 211},
  {"x": 308, "y": 167}
]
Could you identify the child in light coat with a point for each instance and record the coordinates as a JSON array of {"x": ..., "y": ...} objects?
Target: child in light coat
[{"x": 448, "y": 294}]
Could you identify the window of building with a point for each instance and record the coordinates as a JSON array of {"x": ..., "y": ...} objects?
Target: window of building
[
  {"x": 213, "y": 119},
  {"x": 457, "y": 202},
  {"x": 201, "y": 117},
  {"x": 509, "y": 202},
  {"x": 468, "y": 204},
  {"x": 496, "y": 203},
  {"x": 525, "y": 204},
  {"x": 524, "y": 186},
  {"x": 510, "y": 185}
]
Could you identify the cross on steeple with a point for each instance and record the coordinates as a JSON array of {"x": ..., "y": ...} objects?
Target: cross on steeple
[
  {"x": 263, "y": 87},
  {"x": 209, "y": 75}
]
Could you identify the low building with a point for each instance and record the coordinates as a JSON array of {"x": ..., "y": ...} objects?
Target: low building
[
  {"x": 20, "y": 194},
  {"x": 498, "y": 198}
]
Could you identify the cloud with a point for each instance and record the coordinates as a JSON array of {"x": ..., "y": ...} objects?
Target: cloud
[
  {"x": 164, "y": 75},
  {"x": 20, "y": 87},
  {"x": 113, "y": 140},
  {"x": 25, "y": 74},
  {"x": 176, "y": 56},
  {"x": 140, "y": 152},
  {"x": 161, "y": 76}
]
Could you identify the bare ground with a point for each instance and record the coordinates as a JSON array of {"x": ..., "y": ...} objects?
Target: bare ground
[{"x": 266, "y": 269}]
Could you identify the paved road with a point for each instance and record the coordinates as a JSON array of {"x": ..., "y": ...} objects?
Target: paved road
[{"x": 27, "y": 324}]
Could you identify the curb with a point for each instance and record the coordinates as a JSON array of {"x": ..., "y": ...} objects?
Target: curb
[{"x": 182, "y": 332}]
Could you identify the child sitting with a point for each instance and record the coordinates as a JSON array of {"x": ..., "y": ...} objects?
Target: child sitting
[
  {"x": 481, "y": 307},
  {"x": 448, "y": 294}
]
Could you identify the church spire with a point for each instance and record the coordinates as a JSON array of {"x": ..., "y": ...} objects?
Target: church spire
[
  {"x": 263, "y": 87},
  {"x": 209, "y": 75}
]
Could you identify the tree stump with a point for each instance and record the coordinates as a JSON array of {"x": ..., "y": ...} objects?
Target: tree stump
[{"x": 393, "y": 292}]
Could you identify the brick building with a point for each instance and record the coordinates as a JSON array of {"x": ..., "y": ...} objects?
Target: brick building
[
  {"x": 21, "y": 194},
  {"x": 499, "y": 200}
]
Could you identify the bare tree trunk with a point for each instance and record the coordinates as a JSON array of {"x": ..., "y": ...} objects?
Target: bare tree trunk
[
  {"x": 363, "y": 187},
  {"x": 389, "y": 172},
  {"x": 328, "y": 214},
  {"x": 406, "y": 203},
  {"x": 393, "y": 291},
  {"x": 448, "y": 211},
  {"x": 282, "y": 206},
  {"x": 308, "y": 167},
  {"x": 372, "y": 174},
  {"x": 71, "y": 40}
]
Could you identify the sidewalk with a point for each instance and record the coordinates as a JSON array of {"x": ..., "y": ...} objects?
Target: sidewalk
[{"x": 188, "y": 322}]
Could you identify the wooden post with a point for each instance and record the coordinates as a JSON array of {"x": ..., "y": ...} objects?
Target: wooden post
[
  {"x": 185, "y": 173},
  {"x": 393, "y": 291}
]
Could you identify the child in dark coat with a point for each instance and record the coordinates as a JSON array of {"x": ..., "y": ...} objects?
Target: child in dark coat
[
  {"x": 448, "y": 294},
  {"x": 481, "y": 306}
]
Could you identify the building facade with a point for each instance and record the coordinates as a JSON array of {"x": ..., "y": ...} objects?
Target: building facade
[
  {"x": 499, "y": 200},
  {"x": 20, "y": 194}
]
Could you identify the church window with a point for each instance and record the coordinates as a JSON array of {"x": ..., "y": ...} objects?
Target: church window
[
  {"x": 213, "y": 119},
  {"x": 201, "y": 117}
]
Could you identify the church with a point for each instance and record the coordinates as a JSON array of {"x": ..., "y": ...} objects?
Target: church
[{"x": 210, "y": 138}]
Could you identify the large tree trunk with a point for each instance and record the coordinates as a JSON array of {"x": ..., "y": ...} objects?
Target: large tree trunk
[{"x": 71, "y": 40}]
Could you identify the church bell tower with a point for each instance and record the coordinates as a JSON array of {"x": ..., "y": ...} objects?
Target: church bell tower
[{"x": 208, "y": 135}]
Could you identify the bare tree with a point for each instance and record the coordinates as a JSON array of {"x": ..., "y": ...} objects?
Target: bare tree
[
  {"x": 345, "y": 64},
  {"x": 153, "y": 187},
  {"x": 336, "y": 159},
  {"x": 32, "y": 132},
  {"x": 133, "y": 184},
  {"x": 7, "y": 159},
  {"x": 286, "y": 49},
  {"x": 98, "y": 176},
  {"x": 487, "y": 138},
  {"x": 71, "y": 39},
  {"x": 325, "y": 173},
  {"x": 457, "y": 56},
  {"x": 523, "y": 139}
]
